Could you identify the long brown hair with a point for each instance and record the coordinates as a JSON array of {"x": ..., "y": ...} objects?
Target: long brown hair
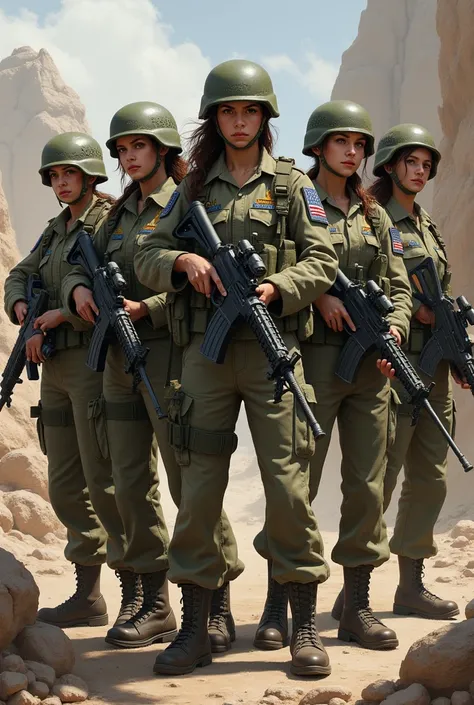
[
  {"x": 353, "y": 183},
  {"x": 382, "y": 188},
  {"x": 104, "y": 196},
  {"x": 175, "y": 166},
  {"x": 206, "y": 145}
]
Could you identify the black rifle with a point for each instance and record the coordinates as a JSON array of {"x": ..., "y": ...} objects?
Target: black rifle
[
  {"x": 368, "y": 309},
  {"x": 37, "y": 302},
  {"x": 239, "y": 268},
  {"x": 113, "y": 322},
  {"x": 449, "y": 339}
]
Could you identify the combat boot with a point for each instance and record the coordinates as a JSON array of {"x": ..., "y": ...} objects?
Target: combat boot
[
  {"x": 132, "y": 595},
  {"x": 154, "y": 621},
  {"x": 272, "y": 631},
  {"x": 338, "y": 606},
  {"x": 221, "y": 623},
  {"x": 191, "y": 648},
  {"x": 358, "y": 623},
  {"x": 86, "y": 608},
  {"x": 411, "y": 596},
  {"x": 308, "y": 655}
]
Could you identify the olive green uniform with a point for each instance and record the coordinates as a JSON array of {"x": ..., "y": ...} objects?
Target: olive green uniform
[
  {"x": 80, "y": 480},
  {"x": 131, "y": 418},
  {"x": 421, "y": 449},
  {"x": 203, "y": 414}
]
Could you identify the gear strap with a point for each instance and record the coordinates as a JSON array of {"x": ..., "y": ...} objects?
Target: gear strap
[
  {"x": 53, "y": 417},
  {"x": 281, "y": 194},
  {"x": 184, "y": 437}
]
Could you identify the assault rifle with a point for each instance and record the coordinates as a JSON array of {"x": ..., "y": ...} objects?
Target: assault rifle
[
  {"x": 37, "y": 301},
  {"x": 239, "y": 268},
  {"x": 449, "y": 339},
  {"x": 368, "y": 309},
  {"x": 113, "y": 322}
]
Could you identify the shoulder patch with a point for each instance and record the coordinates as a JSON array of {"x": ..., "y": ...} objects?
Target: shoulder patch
[
  {"x": 314, "y": 207},
  {"x": 170, "y": 205},
  {"x": 396, "y": 238},
  {"x": 37, "y": 244}
]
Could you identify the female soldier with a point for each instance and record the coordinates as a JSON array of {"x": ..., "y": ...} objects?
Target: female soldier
[
  {"x": 247, "y": 194},
  {"x": 144, "y": 138},
  {"x": 406, "y": 159},
  {"x": 339, "y": 135},
  {"x": 80, "y": 484}
]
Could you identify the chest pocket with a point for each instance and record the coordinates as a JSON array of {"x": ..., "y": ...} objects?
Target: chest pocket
[
  {"x": 337, "y": 239},
  {"x": 45, "y": 258},
  {"x": 219, "y": 220},
  {"x": 371, "y": 239},
  {"x": 263, "y": 236}
]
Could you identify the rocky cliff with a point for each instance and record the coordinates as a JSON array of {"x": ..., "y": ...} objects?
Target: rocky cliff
[
  {"x": 36, "y": 104},
  {"x": 391, "y": 67}
]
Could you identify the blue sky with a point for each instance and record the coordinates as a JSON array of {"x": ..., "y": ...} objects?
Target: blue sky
[{"x": 165, "y": 56}]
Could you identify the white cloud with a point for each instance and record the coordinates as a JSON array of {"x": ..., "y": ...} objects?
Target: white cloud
[
  {"x": 317, "y": 75},
  {"x": 114, "y": 52}
]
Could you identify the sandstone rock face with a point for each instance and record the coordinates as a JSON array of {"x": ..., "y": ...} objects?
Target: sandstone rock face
[
  {"x": 18, "y": 598},
  {"x": 31, "y": 514},
  {"x": 25, "y": 469},
  {"x": 394, "y": 54},
  {"x": 36, "y": 105},
  {"x": 442, "y": 660},
  {"x": 47, "y": 644}
]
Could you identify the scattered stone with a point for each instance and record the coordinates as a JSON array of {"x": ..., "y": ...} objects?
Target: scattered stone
[
  {"x": 18, "y": 598},
  {"x": 442, "y": 563},
  {"x": 172, "y": 685},
  {"x": 325, "y": 693},
  {"x": 442, "y": 660},
  {"x": 51, "y": 570},
  {"x": 461, "y": 697},
  {"x": 71, "y": 689},
  {"x": 42, "y": 672},
  {"x": 47, "y": 644},
  {"x": 215, "y": 695},
  {"x": 378, "y": 690},
  {"x": 337, "y": 701},
  {"x": 23, "y": 698},
  {"x": 15, "y": 663},
  {"x": 31, "y": 678},
  {"x": 269, "y": 700},
  {"x": 52, "y": 700},
  {"x": 6, "y": 518},
  {"x": 470, "y": 564},
  {"x": 468, "y": 573},
  {"x": 284, "y": 693},
  {"x": 11, "y": 683},
  {"x": 415, "y": 694},
  {"x": 50, "y": 540},
  {"x": 44, "y": 554},
  {"x": 444, "y": 579},
  {"x": 460, "y": 542},
  {"x": 441, "y": 701},
  {"x": 464, "y": 528},
  {"x": 41, "y": 690}
]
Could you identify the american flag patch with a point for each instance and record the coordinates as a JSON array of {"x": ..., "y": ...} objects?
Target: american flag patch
[
  {"x": 397, "y": 244},
  {"x": 170, "y": 205},
  {"x": 315, "y": 209}
]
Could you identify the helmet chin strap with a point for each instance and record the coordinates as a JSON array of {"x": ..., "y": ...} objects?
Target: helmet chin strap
[
  {"x": 252, "y": 141},
  {"x": 154, "y": 170},
  {"x": 329, "y": 168},
  {"x": 398, "y": 183}
]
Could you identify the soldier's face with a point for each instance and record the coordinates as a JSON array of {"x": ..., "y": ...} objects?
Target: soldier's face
[
  {"x": 239, "y": 121},
  {"x": 414, "y": 170},
  {"x": 137, "y": 155},
  {"x": 344, "y": 152},
  {"x": 67, "y": 182}
]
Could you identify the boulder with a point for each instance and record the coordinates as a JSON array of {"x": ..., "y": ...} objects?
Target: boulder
[
  {"x": 47, "y": 644},
  {"x": 11, "y": 683},
  {"x": 325, "y": 693},
  {"x": 25, "y": 469},
  {"x": 464, "y": 528},
  {"x": 415, "y": 694},
  {"x": 31, "y": 514},
  {"x": 6, "y": 518},
  {"x": 71, "y": 689},
  {"x": 378, "y": 691},
  {"x": 43, "y": 672},
  {"x": 18, "y": 598}
]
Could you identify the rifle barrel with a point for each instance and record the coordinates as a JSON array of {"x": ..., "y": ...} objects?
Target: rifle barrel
[{"x": 459, "y": 455}]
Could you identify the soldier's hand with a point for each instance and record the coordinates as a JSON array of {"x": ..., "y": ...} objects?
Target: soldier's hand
[
  {"x": 49, "y": 320},
  {"x": 267, "y": 293},
  {"x": 461, "y": 382},
  {"x": 386, "y": 368},
  {"x": 33, "y": 348},
  {"x": 334, "y": 312},
  {"x": 85, "y": 304},
  {"x": 200, "y": 272},
  {"x": 135, "y": 309},
  {"x": 396, "y": 334},
  {"x": 425, "y": 315},
  {"x": 21, "y": 309}
]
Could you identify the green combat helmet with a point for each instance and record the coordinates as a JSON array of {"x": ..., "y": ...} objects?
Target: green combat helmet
[
  {"x": 75, "y": 149},
  {"x": 338, "y": 116},
  {"x": 144, "y": 118},
  {"x": 400, "y": 136},
  {"x": 238, "y": 79}
]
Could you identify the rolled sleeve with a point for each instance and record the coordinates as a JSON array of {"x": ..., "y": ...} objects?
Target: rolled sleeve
[{"x": 156, "y": 306}]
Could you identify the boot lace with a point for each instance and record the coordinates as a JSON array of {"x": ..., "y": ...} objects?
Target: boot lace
[
  {"x": 132, "y": 593},
  {"x": 79, "y": 588},
  {"x": 276, "y": 604},
  {"x": 152, "y": 598},
  {"x": 361, "y": 594},
  {"x": 303, "y": 606},
  {"x": 418, "y": 575},
  {"x": 219, "y": 609},
  {"x": 189, "y": 617}
]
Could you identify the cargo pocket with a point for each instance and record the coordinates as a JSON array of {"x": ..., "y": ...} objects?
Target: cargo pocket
[
  {"x": 178, "y": 423},
  {"x": 304, "y": 443},
  {"x": 35, "y": 413},
  {"x": 393, "y": 407},
  {"x": 98, "y": 427},
  {"x": 177, "y": 315}
]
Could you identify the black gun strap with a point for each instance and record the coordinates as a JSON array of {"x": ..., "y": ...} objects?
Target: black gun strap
[
  {"x": 281, "y": 194},
  {"x": 61, "y": 416},
  {"x": 126, "y": 411}
]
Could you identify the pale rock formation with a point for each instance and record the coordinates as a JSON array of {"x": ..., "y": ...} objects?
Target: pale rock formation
[
  {"x": 31, "y": 514},
  {"x": 391, "y": 68},
  {"x": 36, "y": 105},
  {"x": 47, "y": 644},
  {"x": 71, "y": 689},
  {"x": 415, "y": 694},
  {"x": 18, "y": 598},
  {"x": 25, "y": 469}
]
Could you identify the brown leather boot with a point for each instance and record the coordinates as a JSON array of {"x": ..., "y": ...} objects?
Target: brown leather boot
[
  {"x": 221, "y": 623},
  {"x": 86, "y": 608},
  {"x": 308, "y": 655},
  {"x": 358, "y": 622},
  {"x": 132, "y": 595},
  {"x": 191, "y": 648},
  {"x": 411, "y": 596},
  {"x": 336, "y": 612},
  {"x": 154, "y": 621},
  {"x": 272, "y": 631}
]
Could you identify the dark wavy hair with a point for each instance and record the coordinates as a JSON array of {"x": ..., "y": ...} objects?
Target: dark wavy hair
[
  {"x": 353, "y": 183},
  {"x": 382, "y": 188},
  {"x": 206, "y": 145},
  {"x": 105, "y": 196}
]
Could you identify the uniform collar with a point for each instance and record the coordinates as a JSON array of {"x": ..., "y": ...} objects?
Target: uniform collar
[
  {"x": 354, "y": 206},
  {"x": 219, "y": 169},
  {"x": 63, "y": 217},
  {"x": 161, "y": 196},
  {"x": 397, "y": 211}
]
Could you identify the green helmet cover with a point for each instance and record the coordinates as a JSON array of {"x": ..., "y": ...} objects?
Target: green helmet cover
[
  {"x": 338, "y": 116},
  {"x": 238, "y": 79},
  {"x": 144, "y": 118},
  {"x": 400, "y": 136},
  {"x": 74, "y": 149}
]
